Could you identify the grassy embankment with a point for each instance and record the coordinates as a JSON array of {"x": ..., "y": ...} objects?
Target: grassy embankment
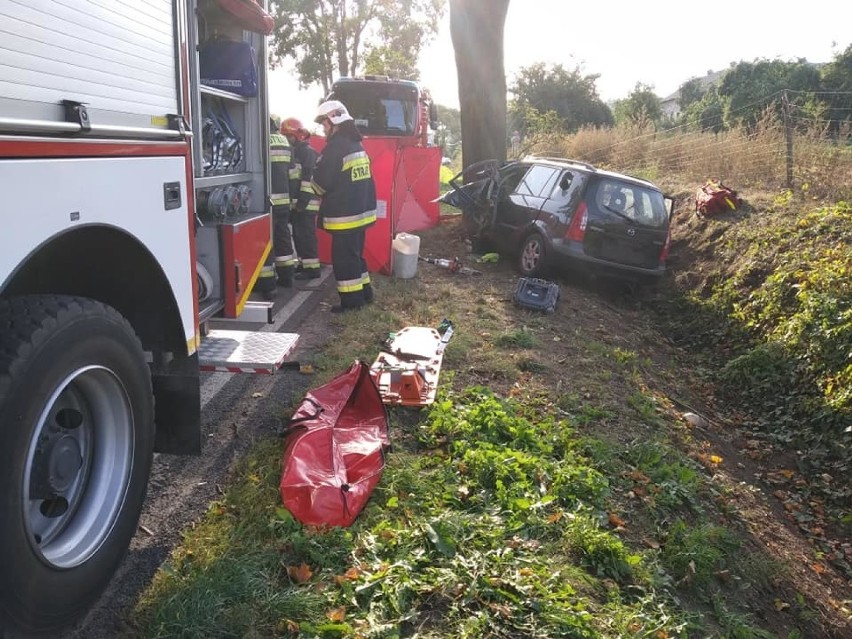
[{"x": 555, "y": 489}]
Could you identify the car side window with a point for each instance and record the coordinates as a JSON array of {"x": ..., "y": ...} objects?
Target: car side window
[
  {"x": 536, "y": 179},
  {"x": 510, "y": 178},
  {"x": 567, "y": 189}
]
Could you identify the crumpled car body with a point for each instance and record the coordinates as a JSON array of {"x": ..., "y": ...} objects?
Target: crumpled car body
[{"x": 558, "y": 213}]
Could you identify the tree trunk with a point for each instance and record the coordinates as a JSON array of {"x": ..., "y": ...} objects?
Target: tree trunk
[{"x": 476, "y": 27}]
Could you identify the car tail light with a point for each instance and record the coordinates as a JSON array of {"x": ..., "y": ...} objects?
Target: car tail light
[
  {"x": 577, "y": 229},
  {"x": 664, "y": 254}
]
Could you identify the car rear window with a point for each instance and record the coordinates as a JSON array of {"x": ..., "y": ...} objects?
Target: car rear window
[{"x": 637, "y": 204}]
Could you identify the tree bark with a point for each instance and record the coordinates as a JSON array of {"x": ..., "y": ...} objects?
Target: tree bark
[{"x": 476, "y": 28}]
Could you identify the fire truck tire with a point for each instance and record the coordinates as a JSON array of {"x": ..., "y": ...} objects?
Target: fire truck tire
[{"x": 76, "y": 445}]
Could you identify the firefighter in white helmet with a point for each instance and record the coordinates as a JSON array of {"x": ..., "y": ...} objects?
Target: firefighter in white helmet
[{"x": 343, "y": 179}]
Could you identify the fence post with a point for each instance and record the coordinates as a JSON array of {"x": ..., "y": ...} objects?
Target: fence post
[{"x": 788, "y": 134}]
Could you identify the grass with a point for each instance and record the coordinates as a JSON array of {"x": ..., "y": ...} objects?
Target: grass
[{"x": 554, "y": 488}]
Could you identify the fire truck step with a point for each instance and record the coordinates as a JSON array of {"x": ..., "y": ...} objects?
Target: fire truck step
[{"x": 245, "y": 351}]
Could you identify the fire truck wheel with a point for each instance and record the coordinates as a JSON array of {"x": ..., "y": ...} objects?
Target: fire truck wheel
[{"x": 76, "y": 442}]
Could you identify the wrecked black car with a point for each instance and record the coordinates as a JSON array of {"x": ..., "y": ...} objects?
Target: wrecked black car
[{"x": 551, "y": 213}]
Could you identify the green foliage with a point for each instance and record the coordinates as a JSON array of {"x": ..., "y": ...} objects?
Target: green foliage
[
  {"x": 641, "y": 106},
  {"x": 753, "y": 86},
  {"x": 693, "y": 554},
  {"x": 802, "y": 310},
  {"x": 600, "y": 552},
  {"x": 330, "y": 38},
  {"x": 541, "y": 89},
  {"x": 521, "y": 338}
]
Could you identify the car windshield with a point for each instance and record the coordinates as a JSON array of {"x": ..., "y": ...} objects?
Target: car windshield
[{"x": 632, "y": 202}]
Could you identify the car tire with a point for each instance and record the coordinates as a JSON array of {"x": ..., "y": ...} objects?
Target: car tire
[
  {"x": 532, "y": 258},
  {"x": 76, "y": 445}
]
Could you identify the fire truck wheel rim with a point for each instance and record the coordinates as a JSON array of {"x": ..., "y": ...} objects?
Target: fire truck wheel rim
[{"x": 78, "y": 466}]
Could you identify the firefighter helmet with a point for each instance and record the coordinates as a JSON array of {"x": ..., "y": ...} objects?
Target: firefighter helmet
[
  {"x": 294, "y": 127},
  {"x": 334, "y": 110}
]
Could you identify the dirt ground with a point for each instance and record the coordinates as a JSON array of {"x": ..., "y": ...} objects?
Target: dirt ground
[
  {"x": 612, "y": 313},
  {"x": 619, "y": 315}
]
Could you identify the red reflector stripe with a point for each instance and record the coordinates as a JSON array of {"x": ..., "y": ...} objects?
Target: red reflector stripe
[
  {"x": 664, "y": 254},
  {"x": 577, "y": 228}
]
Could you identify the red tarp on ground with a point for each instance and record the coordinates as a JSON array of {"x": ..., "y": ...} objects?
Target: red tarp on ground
[
  {"x": 335, "y": 450},
  {"x": 407, "y": 184}
]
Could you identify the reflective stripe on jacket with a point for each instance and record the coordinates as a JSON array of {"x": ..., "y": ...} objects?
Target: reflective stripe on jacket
[
  {"x": 280, "y": 158},
  {"x": 343, "y": 178},
  {"x": 302, "y": 194}
]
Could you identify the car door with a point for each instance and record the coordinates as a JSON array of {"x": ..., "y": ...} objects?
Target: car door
[
  {"x": 628, "y": 224},
  {"x": 519, "y": 207}
]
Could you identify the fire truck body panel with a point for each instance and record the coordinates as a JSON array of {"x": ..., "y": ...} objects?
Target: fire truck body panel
[
  {"x": 108, "y": 237},
  {"x": 117, "y": 57},
  {"x": 78, "y": 194}
]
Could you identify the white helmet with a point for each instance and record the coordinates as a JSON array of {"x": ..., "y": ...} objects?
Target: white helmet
[{"x": 334, "y": 110}]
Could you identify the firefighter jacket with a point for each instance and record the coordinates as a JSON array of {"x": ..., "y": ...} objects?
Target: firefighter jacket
[
  {"x": 279, "y": 157},
  {"x": 302, "y": 195},
  {"x": 343, "y": 179}
]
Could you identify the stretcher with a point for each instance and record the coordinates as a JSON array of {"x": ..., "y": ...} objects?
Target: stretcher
[{"x": 407, "y": 368}]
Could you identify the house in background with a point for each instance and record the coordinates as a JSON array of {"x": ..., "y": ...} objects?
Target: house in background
[{"x": 670, "y": 105}]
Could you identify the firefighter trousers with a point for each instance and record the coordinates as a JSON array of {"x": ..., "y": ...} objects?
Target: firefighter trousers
[
  {"x": 350, "y": 268},
  {"x": 305, "y": 238},
  {"x": 282, "y": 245}
]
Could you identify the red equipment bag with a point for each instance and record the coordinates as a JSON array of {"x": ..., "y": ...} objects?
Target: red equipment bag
[
  {"x": 335, "y": 450},
  {"x": 714, "y": 198},
  {"x": 249, "y": 15}
]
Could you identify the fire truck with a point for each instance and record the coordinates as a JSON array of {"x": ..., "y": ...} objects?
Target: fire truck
[
  {"x": 395, "y": 118},
  {"x": 136, "y": 210}
]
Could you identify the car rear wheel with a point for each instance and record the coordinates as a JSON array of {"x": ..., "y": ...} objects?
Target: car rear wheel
[
  {"x": 532, "y": 259},
  {"x": 76, "y": 445}
]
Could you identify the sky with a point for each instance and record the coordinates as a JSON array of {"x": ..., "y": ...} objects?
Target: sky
[{"x": 656, "y": 42}]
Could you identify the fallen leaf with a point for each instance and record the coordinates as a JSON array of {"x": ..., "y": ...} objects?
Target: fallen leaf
[
  {"x": 617, "y": 521},
  {"x": 651, "y": 543},
  {"x": 299, "y": 574},
  {"x": 554, "y": 518},
  {"x": 818, "y": 568},
  {"x": 715, "y": 459},
  {"x": 337, "y": 615},
  {"x": 257, "y": 395},
  {"x": 353, "y": 573}
]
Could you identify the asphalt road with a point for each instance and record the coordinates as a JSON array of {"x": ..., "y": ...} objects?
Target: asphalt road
[{"x": 181, "y": 487}]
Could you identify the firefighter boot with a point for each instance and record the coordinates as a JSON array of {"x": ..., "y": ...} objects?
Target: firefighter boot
[
  {"x": 266, "y": 283},
  {"x": 369, "y": 296},
  {"x": 285, "y": 275}
]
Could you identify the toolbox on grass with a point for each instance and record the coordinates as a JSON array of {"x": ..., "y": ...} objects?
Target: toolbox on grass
[{"x": 539, "y": 295}]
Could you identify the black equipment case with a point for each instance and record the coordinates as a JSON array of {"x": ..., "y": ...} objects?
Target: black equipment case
[{"x": 539, "y": 295}]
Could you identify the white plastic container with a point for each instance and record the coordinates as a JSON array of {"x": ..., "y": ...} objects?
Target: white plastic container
[{"x": 406, "y": 252}]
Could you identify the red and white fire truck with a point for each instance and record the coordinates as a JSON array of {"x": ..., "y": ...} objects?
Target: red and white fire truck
[
  {"x": 135, "y": 210},
  {"x": 394, "y": 116}
]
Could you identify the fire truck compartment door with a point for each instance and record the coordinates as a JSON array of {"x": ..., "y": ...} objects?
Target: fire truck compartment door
[
  {"x": 245, "y": 246},
  {"x": 117, "y": 58}
]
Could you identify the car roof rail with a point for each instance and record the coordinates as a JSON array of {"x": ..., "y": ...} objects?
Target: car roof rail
[{"x": 588, "y": 166}]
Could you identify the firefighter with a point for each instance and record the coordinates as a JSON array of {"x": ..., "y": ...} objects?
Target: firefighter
[
  {"x": 343, "y": 179},
  {"x": 279, "y": 266},
  {"x": 304, "y": 202}
]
